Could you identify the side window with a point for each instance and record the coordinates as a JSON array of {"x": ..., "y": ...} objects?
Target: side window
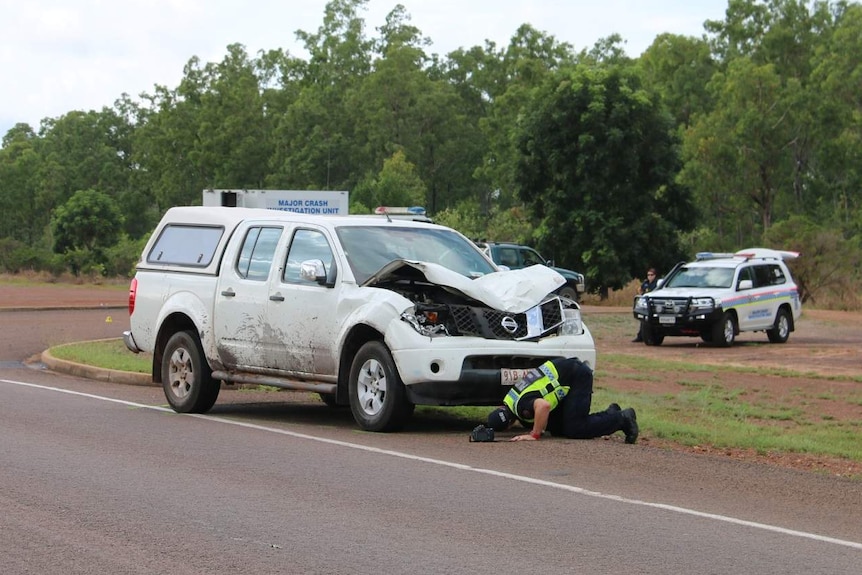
[
  {"x": 508, "y": 257},
  {"x": 186, "y": 245},
  {"x": 777, "y": 275},
  {"x": 258, "y": 250},
  {"x": 763, "y": 275},
  {"x": 531, "y": 258},
  {"x": 306, "y": 245}
]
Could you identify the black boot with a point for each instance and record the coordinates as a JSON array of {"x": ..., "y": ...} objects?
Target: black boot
[
  {"x": 630, "y": 424},
  {"x": 613, "y": 408}
]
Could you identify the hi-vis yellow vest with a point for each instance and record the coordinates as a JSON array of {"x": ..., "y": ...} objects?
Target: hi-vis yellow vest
[{"x": 544, "y": 380}]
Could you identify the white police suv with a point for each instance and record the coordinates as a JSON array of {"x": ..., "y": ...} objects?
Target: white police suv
[{"x": 722, "y": 294}]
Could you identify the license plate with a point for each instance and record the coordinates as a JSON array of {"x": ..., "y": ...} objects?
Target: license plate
[
  {"x": 510, "y": 376},
  {"x": 667, "y": 319}
]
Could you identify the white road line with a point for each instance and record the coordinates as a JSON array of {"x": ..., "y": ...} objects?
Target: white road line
[{"x": 462, "y": 467}]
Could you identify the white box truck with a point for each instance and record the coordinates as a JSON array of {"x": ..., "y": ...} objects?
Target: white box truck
[{"x": 317, "y": 202}]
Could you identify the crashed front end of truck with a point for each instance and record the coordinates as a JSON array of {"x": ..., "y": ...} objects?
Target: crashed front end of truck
[{"x": 463, "y": 341}]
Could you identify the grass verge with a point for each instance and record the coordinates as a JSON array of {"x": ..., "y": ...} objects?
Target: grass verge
[{"x": 106, "y": 353}]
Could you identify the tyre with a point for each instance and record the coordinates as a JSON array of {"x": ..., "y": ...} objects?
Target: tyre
[
  {"x": 378, "y": 398},
  {"x": 781, "y": 331},
  {"x": 186, "y": 376},
  {"x": 724, "y": 330},
  {"x": 652, "y": 335},
  {"x": 329, "y": 400},
  {"x": 568, "y": 292}
]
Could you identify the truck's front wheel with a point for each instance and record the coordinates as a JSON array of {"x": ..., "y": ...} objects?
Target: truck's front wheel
[
  {"x": 651, "y": 334},
  {"x": 186, "y": 375},
  {"x": 378, "y": 399},
  {"x": 724, "y": 331},
  {"x": 568, "y": 292}
]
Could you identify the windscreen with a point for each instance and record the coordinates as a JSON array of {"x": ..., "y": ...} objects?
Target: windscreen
[
  {"x": 701, "y": 277},
  {"x": 369, "y": 248}
]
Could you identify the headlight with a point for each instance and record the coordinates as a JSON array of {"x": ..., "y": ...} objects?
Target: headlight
[
  {"x": 426, "y": 321},
  {"x": 572, "y": 324},
  {"x": 641, "y": 305},
  {"x": 703, "y": 304}
]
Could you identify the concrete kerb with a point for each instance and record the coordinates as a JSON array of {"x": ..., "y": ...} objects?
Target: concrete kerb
[
  {"x": 80, "y": 369},
  {"x": 96, "y": 373}
]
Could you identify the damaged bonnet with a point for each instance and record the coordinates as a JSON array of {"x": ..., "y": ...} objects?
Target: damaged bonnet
[{"x": 512, "y": 291}]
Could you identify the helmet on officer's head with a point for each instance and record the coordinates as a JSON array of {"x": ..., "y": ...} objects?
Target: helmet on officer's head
[{"x": 500, "y": 419}]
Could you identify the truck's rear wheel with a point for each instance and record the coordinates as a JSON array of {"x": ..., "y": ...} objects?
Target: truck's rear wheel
[
  {"x": 378, "y": 399},
  {"x": 780, "y": 332},
  {"x": 186, "y": 375}
]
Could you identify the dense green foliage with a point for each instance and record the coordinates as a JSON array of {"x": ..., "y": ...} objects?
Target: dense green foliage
[{"x": 606, "y": 163}]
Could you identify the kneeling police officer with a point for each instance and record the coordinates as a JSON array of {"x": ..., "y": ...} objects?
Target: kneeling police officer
[{"x": 557, "y": 396}]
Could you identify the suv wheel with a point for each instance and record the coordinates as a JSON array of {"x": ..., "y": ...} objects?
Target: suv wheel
[
  {"x": 186, "y": 376},
  {"x": 568, "y": 292},
  {"x": 781, "y": 331},
  {"x": 724, "y": 331},
  {"x": 652, "y": 335},
  {"x": 378, "y": 399}
]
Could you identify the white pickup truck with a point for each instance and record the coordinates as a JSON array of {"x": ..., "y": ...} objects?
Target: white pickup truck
[{"x": 368, "y": 311}]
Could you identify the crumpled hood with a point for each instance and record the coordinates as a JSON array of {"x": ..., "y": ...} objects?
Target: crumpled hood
[{"x": 513, "y": 291}]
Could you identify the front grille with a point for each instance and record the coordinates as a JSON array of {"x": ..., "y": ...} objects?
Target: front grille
[
  {"x": 675, "y": 306},
  {"x": 495, "y": 324}
]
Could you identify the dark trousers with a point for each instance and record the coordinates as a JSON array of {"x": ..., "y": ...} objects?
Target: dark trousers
[{"x": 572, "y": 417}]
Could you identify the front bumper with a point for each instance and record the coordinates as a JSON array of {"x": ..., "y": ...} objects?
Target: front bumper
[
  {"x": 466, "y": 370},
  {"x": 677, "y": 317}
]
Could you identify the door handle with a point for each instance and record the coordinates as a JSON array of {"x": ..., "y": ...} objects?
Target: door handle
[
  {"x": 228, "y": 293},
  {"x": 276, "y": 297}
]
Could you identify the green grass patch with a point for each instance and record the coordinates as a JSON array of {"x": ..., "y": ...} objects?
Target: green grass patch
[
  {"x": 107, "y": 354},
  {"x": 715, "y": 417},
  {"x": 612, "y": 361}
]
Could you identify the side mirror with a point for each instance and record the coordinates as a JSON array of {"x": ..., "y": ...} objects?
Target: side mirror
[
  {"x": 659, "y": 283},
  {"x": 744, "y": 285},
  {"x": 313, "y": 271}
]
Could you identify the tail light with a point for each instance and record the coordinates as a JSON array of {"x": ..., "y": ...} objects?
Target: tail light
[{"x": 133, "y": 292}]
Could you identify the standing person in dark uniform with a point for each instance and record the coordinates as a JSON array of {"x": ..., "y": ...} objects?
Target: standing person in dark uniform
[
  {"x": 648, "y": 285},
  {"x": 557, "y": 396}
]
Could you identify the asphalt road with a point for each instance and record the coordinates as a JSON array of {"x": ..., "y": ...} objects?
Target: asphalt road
[{"x": 100, "y": 478}]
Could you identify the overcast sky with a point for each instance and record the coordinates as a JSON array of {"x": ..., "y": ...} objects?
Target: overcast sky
[{"x": 62, "y": 55}]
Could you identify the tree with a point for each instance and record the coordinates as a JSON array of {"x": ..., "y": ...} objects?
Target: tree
[
  {"x": 312, "y": 140},
  {"x": 829, "y": 263},
  {"x": 679, "y": 69},
  {"x": 740, "y": 158},
  {"x": 400, "y": 107},
  {"x": 598, "y": 164},
  {"x": 86, "y": 225},
  {"x": 836, "y": 175},
  {"x": 23, "y": 220},
  {"x": 527, "y": 61},
  {"x": 396, "y": 185}
]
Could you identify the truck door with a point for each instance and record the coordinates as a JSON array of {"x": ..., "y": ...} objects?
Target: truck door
[
  {"x": 302, "y": 313},
  {"x": 531, "y": 257},
  {"x": 764, "y": 300},
  {"x": 240, "y": 323}
]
